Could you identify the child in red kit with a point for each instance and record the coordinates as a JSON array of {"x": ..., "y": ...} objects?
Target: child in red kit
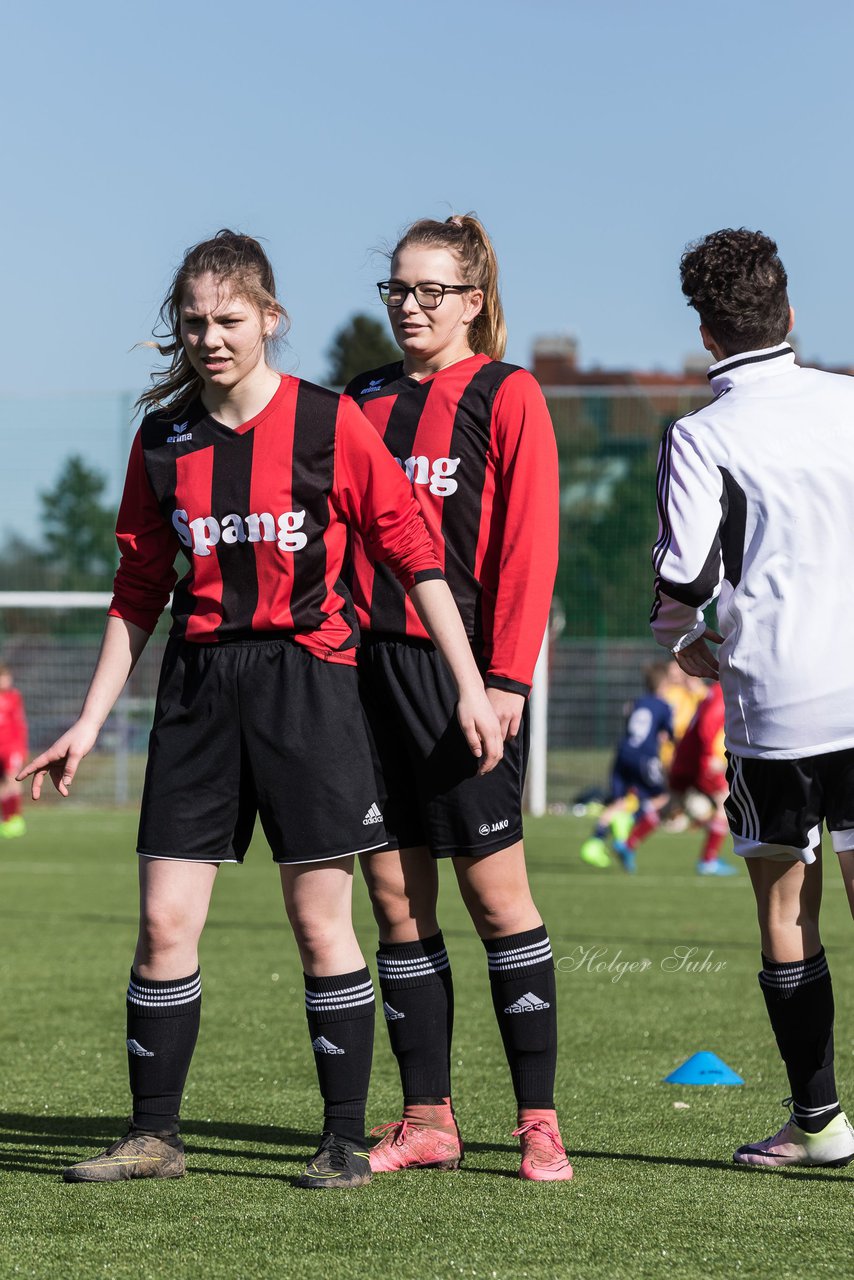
[{"x": 13, "y": 750}]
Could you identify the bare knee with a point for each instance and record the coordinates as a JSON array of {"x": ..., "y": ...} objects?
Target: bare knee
[
  {"x": 165, "y": 934},
  {"x": 404, "y": 892},
  {"x": 500, "y": 914},
  {"x": 321, "y": 932},
  {"x": 496, "y": 892},
  {"x": 401, "y": 918}
]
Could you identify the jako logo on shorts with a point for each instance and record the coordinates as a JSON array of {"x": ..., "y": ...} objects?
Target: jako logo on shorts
[
  {"x": 206, "y": 531},
  {"x": 486, "y": 830}
]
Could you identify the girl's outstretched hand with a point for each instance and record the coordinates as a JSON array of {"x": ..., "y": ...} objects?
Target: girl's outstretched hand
[{"x": 62, "y": 759}]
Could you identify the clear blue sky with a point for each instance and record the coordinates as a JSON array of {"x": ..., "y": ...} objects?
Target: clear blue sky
[{"x": 593, "y": 139}]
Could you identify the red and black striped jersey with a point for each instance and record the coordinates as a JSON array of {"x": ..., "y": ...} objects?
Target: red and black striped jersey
[
  {"x": 261, "y": 513},
  {"x": 477, "y": 443}
]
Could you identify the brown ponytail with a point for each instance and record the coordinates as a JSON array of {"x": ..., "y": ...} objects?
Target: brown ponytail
[
  {"x": 232, "y": 259},
  {"x": 465, "y": 236}
]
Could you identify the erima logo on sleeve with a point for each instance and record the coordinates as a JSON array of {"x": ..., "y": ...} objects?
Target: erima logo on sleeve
[
  {"x": 205, "y": 532},
  {"x": 179, "y": 433},
  {"x": 373, "y": 385}
]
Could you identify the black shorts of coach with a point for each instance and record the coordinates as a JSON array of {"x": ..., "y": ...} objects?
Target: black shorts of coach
[
  {"x": 430, "y": 791},
  {"x": 776, "y": 808},
  {"x": 257, "y": 727}
]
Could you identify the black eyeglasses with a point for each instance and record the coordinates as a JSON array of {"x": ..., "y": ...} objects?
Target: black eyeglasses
[{"x": 428, "y": 293}]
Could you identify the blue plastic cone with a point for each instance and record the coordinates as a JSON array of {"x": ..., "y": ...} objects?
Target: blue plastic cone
[{"x": 703, "y": 1068}]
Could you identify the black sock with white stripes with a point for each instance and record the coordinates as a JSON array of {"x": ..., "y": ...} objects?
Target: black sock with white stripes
[
  {"x": 799, "y": 999},
  {"x": 418, "y": 1003},
  {"x": 162, "y": 1028},
  {"x": 340, "y": 1012},
  {"x": 522, "y": 977}
]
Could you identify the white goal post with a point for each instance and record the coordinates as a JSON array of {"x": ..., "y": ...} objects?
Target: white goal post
[{"x": 536, "y": 790}]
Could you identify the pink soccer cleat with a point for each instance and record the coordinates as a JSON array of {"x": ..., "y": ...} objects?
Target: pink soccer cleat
[
  {"x": 544, "y": 1157},
  {"x": 426, "y": 1138},
  {"x": 832, "y": 1147}
]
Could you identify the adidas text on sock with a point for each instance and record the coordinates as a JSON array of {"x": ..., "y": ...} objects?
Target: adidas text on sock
[
  {"x": 799, "y": 999},
  {"x": 418, "y": 1004},
  {"x": 522, "y": 978},
  {"x": 162, "y": 1029},
  {"x": 340, "y": 1014}
]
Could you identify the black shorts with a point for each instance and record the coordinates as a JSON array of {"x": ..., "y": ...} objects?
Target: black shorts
[
  {"x": 776, "y": 807},
  {"x": 430, "y": 791},
  {"x": 257, "y": 726}
]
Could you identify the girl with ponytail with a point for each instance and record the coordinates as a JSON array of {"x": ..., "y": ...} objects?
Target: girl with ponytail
[{"x": 474, "y": 438}]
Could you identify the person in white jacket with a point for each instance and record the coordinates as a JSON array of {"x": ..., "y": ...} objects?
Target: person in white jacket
[{"x": 756, "y": 512}]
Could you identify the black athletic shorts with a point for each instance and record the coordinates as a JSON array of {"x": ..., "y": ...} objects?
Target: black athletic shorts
[
  {"x": 776, "y": 807},
  {"x": 430, "y": 791},
  {"x": 257, "y": 726}
]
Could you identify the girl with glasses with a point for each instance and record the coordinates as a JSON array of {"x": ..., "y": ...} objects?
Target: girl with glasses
[
  {"x": 257, "y": 480},
  {"x": 474, "y": 438}
]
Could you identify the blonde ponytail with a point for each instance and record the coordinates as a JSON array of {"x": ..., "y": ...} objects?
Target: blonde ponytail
[{"x": 465, "y": 236}]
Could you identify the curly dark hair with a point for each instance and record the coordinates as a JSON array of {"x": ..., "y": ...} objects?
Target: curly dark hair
[{"x": 737, "y": 283}]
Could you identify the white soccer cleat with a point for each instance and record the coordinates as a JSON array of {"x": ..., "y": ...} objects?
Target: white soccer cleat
[{"x": 832, "y": 1147}]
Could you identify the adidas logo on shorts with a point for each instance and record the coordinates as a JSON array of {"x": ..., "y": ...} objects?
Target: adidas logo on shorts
[
  {"x": 528, "y": 1003},
  {"x": 391, "y": 1015},
  {"x": 322, "y": 1045},
  {"x": 372, "y": 817}
]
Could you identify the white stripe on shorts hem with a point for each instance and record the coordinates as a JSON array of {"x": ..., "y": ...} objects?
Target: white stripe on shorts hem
[
  {"x": 174, "y": 857},
  {"x": 746, "y": 848},
  {"x": 304, "y": 862}
]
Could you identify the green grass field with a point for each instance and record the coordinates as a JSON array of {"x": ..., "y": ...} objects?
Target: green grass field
[{"x": 654, "y": 1194}]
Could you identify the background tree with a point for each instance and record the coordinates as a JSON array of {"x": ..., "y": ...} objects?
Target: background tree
[
  {"x": 23, "y": 567},
  {"x": 79, "y": 541},
  {"x": 362, "y": 343},
  {"x": 605, "y": 579}
]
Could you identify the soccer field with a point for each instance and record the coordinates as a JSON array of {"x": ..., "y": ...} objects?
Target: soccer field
[{"x": 654, "y": 1194}]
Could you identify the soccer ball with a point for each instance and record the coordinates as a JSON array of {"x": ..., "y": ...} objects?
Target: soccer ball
[{"x": 698, "y": 807}]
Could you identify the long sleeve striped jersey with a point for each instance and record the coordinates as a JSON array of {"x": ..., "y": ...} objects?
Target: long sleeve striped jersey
[
  {"x": 756, "y": 510},
  {"x": 477, "y": 443},
  {"x": 261, "y": 514}
]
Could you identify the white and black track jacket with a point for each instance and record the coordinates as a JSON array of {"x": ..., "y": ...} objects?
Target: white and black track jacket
[{"x": 756, "y": 508}]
